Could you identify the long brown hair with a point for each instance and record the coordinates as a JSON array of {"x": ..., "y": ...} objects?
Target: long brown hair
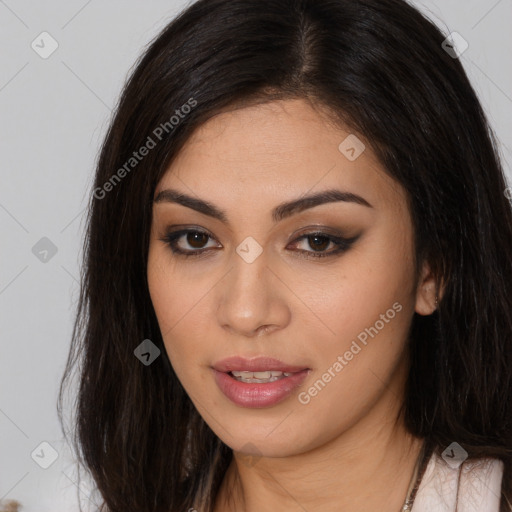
[{"x": 378, "y": 66}]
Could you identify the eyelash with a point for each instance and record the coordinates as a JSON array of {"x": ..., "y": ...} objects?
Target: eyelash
[{"x": 343, "y": 244}]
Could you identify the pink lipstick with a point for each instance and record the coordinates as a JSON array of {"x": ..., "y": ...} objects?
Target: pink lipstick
[{"x": 258, "y": 382}]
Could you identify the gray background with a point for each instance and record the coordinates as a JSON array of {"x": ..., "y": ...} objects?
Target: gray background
[{"x": 53, "y": 115}]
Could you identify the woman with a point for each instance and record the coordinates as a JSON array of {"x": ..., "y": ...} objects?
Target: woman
[{"x": 295, "y": 289}]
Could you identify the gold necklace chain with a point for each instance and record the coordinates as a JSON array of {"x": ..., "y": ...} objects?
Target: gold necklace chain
[{"x": 415, "y": 479}]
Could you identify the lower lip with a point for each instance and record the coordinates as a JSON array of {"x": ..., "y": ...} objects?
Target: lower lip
[{"x": 258, "y": 395}]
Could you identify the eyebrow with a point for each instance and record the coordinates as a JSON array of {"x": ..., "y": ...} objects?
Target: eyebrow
[{"x": 279, "y": 213}]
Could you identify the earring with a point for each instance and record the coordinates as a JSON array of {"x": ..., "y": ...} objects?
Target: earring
[{"x": 437, "y": 301}]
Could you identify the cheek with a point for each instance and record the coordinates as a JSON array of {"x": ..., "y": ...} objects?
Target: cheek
[
  {"x": 179, "y": 302},
  {"x": 352, "y": 295},
  {"x": 168, "y": 296},
  {"x": 366, "y": 311},
  {"x": 370, "y": 317}
]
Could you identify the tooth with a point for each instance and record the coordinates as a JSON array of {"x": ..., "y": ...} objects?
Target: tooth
[
  {"x": 258, "y": 375},
  {"x": 261, "y": 375},
  {"x": 258, "y": 381},
  {"x": 246, "y": 375}
]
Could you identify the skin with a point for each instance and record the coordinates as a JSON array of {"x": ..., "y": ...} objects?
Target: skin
[{"x": 344, "y": 450}]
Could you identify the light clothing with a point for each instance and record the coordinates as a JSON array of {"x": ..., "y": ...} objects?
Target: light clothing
[{"x": 474, "y": 486}]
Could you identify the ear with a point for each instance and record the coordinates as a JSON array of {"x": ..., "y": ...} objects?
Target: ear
[{"x": 427, "y": 294}]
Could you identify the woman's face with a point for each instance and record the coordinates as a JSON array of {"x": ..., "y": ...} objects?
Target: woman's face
[{"x": 334, "y": 307}]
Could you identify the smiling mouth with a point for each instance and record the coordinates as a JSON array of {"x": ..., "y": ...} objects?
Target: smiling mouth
[{"x": 259, "y": 389}]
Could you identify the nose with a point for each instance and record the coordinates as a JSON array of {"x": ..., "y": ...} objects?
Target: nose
[{"x": 252, "y": 301}]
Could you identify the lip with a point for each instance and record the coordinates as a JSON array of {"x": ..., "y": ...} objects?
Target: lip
[{"x": 257, "y": 395}]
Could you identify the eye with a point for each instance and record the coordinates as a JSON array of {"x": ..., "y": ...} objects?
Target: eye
[
  {"x": 188, "y": 242},
  {"x": 319, "y": 242}
]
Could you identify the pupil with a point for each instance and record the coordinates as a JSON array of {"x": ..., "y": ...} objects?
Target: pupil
[
  {"x": 197, "y": 240},
  {"x": 314, "y": 243}
]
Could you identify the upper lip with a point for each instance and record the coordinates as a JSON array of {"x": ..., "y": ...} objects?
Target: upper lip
[{"x": 262, "y": 363}]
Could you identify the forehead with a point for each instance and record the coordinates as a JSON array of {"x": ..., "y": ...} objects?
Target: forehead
[{"x": 276, "y": 151}]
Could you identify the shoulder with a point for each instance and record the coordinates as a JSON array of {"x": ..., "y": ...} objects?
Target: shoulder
[{"x": 473, "y": 486}]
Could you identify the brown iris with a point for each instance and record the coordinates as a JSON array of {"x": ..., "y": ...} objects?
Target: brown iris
[
  {"x": 318, "y": 243},
  {"x": 197, "y": 240}
]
